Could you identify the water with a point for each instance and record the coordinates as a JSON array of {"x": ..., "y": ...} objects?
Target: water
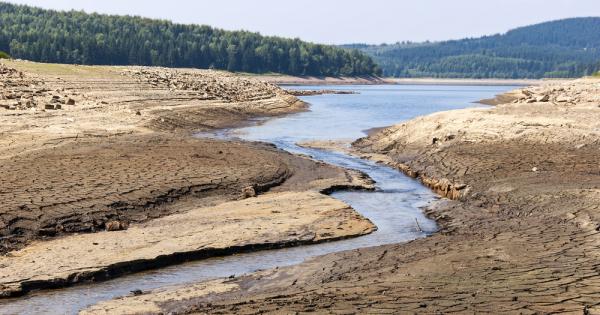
[{"x": 395, "y": 207}]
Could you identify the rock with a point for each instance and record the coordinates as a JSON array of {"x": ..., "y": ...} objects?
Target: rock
[
  {"x": 543, "y": 98},
  {"x": 564, "y": 99},
  {"x": 137, "y": 292},
  {"x": 116, "y": 226},
  {"x": 138, "y": 113},
  {"x": 70, "y": 101},
  {"x": 248, "y": 192},
  {"x": 49, "y": 106},
  {"x": 535, "y": 169}
]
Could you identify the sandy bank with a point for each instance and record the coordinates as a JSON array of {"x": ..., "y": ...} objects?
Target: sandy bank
[{"x": 521, "y": 235}]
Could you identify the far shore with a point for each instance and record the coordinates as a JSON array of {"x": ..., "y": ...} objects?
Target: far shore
[{"x": 311, "y": 80}]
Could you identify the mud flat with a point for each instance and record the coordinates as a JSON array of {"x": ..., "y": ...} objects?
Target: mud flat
[
  {"x": 267, "y": 221},
  {"x": 519, "y": 233},
  {"x": 105, "y": 155}
]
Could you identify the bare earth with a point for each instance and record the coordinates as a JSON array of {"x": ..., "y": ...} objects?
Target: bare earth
[
  {"x": 105, "y": 155},
  {"x": 520, "y": 235}
]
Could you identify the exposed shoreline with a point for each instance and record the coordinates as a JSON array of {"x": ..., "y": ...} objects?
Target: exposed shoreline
[
  {"x": 520, "y": 236},
  {"x": 91, "y": 152}
]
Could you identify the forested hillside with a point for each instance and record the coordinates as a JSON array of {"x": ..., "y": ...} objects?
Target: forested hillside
[
  {"x": 81, "y": 38},
  {"x": 565, "y": 48}
]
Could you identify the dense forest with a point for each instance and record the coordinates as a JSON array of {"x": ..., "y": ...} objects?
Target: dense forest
[
  {"x": 564, "y": 48},
  {"x": 81, "y": 38}
]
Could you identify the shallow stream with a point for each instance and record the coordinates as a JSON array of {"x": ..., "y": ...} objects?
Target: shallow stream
[{"x": 395, "y": 207}]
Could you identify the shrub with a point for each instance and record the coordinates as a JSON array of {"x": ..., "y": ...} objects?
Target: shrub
[{"x": 4, "y": 55}]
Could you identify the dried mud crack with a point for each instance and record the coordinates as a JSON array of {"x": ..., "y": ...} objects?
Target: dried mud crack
[{"x": 523, "y": 238}]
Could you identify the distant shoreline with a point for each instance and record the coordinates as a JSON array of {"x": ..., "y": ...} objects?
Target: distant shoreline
[
  {"x": 310, "y": 80},
  {"x": 301, "y": 80},
  {"x": 483, "y": 82}
]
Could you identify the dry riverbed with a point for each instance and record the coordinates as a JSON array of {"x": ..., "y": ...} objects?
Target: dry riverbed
[
  {"x": 519, "y": 233},
  {"x": 101, "y": 175}
]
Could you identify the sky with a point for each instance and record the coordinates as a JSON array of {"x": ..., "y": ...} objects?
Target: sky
[{"x": 346, "y": 21}]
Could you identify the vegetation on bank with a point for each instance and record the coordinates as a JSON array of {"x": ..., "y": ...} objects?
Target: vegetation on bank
[
  {"x": 4, "y": 55},
  {"x": 565, "y": 48},
  {"x": 80, "y": 38}
]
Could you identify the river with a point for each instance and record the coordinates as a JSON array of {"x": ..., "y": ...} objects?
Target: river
[{"x": 395, "y": 207}]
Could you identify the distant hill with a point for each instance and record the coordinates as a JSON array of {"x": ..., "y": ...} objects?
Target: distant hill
[
  {"x": 564, "y": 48},
  {"x": 81, "y": 38}
]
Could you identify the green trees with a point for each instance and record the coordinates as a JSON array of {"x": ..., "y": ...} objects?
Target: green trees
[
  {"x": 565, "y": 48},
  {"x": 76, "y": 37}
]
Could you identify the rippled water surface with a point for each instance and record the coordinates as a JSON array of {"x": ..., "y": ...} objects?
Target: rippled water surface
[{"x": 394, "y": 207}]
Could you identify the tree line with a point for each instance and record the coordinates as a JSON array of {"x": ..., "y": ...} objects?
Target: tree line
[
  {"x": 76, "y": 37},
  {"x": 564, "y": 48}
]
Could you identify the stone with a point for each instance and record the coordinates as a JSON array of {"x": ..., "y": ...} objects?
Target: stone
[
  {"x": 70, "y": 101},
  {"x": 116, "y": 226},
  {"x": 248, "y": 192},
  {"x": 564, "y": 99},
  {"x": 543, "y": 98}
]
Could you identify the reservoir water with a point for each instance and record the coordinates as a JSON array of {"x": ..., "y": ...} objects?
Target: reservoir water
[{"x": 394, "y": 207}]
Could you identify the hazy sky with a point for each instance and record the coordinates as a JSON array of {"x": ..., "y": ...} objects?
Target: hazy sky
[{"x": 347, "y": 21}]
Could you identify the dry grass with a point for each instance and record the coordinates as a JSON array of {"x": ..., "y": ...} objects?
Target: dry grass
[{"x": 62, "y": 69}]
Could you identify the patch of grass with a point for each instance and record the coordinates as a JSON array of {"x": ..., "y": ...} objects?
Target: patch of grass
[{"x": 4, "y": 55}]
